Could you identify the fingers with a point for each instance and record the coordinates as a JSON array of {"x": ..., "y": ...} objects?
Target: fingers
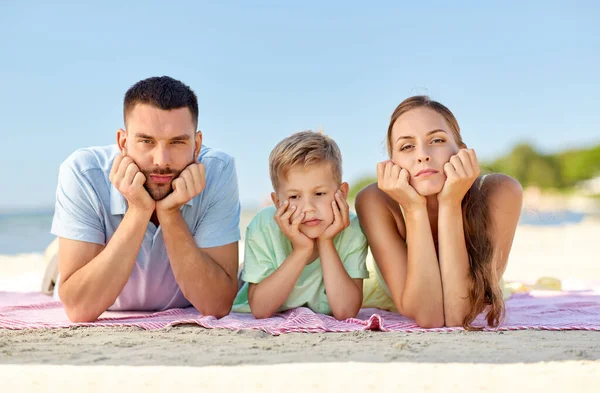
[
  {"x": 450, "y": 171},
  {"x": 295, "y": 224},
  {"x": 458, "y": 166},
  {"x": 139, "y": 180},
  {"x": 343, "y": 207},
  {"x": 115, "y": 166}
]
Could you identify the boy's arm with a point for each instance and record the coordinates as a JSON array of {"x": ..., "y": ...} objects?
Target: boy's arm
[
  {"x": 343, "y": 292},
  {"x": 268, "y": 295}
]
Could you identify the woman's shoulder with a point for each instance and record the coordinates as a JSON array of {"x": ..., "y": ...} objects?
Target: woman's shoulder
[
  {"x": 374, "y": 205},
  {"x": 502, "y": 191}
]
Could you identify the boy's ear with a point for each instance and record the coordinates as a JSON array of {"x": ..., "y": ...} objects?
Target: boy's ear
[
  {"x": 122, "y": 140},
  {"x": 275, "y": 199},
  {"x": 344, "y": 187}
]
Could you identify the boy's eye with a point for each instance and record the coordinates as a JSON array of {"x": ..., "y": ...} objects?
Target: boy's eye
[
  {"x": 293, "y": 196},
  {"x": 319, "y": 193}
]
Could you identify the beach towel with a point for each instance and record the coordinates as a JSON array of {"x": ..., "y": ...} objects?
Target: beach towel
[{"x": 536, "y": 310}]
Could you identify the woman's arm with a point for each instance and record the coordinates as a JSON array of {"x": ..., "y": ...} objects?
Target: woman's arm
[
  {"x": 504, "y": 200},
  {"x": 409, "y": 268}
]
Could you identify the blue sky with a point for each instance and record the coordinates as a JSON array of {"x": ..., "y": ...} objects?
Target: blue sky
[{"x": 262, "y": 71}]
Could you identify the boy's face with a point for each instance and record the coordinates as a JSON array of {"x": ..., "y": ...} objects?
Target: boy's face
[{"x": 311, "y": 189}]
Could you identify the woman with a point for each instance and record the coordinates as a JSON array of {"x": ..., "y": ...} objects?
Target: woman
[{"x": 440, "y": 234}]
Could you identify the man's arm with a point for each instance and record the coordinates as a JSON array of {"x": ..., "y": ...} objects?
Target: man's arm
[
  {"x": 207, "y": 276},
  {"x": 92, "y": 275}
]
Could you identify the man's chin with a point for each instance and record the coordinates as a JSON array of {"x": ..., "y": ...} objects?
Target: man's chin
[{"x": 159, "y": 192}]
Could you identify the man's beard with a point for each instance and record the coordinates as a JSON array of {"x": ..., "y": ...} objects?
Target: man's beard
[{"x": 160, "y": 191}]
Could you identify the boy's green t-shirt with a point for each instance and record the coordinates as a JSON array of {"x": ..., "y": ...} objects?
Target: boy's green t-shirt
[{"x": 267, "y": 247}]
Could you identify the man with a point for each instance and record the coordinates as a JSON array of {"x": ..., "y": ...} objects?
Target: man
[{"x": 152, "y": 222}]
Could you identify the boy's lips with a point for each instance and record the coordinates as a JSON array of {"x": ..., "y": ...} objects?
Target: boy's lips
[
  {"x": 312, "y": 223},
  {"x": 426, "y": 172},
  {"x": 161, "y": 179}
]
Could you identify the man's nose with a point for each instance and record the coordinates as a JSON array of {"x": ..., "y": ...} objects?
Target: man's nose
[{"x": 161, "y": 156}]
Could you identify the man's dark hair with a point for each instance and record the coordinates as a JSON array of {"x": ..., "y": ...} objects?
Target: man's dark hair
[{"x": 162, "y": 92}]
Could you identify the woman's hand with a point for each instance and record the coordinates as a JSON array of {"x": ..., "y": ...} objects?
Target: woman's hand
[
  {"x": 394, "y": 181},
  {"x": 461, "y": 172}
]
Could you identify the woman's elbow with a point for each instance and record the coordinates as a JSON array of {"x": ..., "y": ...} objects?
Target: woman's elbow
[{"x": 429, "y": 321}]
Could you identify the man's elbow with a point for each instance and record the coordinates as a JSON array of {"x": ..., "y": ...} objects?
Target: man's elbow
[{"x": 79, "y": 314}]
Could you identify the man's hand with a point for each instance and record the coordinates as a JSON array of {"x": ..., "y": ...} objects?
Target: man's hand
[
  {"x": 129, "y": 180},
  {"x": 289, "y": 221},
  {"x": 394, "y": 181},
  {"x": 190, "y": 182},
  {"x": 461, "y": 172},
  {"x": 341, "y": 217}
]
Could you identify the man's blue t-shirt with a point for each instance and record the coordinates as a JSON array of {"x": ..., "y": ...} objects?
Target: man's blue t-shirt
[{"x": 89, "y": 209}]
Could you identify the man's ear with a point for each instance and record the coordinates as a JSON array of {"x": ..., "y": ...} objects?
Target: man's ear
[
  {"x": 122, "y": 141},
  {"x": 197, "y": 144},
  {"x": 275, "y": 199},
  {"x": 344, "y": 187}
]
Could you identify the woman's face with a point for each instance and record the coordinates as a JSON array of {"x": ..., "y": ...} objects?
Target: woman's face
[{"x": 422, "y": 142}]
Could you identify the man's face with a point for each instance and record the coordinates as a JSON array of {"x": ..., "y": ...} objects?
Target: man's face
[
  {"x": 311, "y": 189},
  {"x": 162, "y": 143}
]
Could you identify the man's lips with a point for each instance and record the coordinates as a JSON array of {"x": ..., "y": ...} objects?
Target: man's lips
[
  {"x": 312, "y": 223},
  {"x": 426, "y": 172},
  {"x": 161, "y": 179}
]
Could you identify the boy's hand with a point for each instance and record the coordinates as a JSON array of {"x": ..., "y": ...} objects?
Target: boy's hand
[
  {"x": 341, "y": 217},
  {"x": 190, "y": 182},
  {"x": 289, "y": 223},
  {"x": 461, "y": 172},
  {"x": 129, "y": 180},
  {"x": 394, "y": 181}
]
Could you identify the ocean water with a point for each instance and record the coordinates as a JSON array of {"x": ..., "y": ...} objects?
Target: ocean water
[{"x": 29, "y": 232}]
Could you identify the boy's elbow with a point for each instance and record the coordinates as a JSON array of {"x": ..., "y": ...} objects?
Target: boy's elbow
[{"x": 261, "y": 314}]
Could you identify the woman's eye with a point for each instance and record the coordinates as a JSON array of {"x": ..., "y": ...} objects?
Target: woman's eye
[
  {"x": 405, "y": 147},
  {"x": 437, "y": 140}
]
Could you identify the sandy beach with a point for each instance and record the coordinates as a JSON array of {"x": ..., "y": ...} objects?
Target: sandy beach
[{"x": 489, "y": 361}]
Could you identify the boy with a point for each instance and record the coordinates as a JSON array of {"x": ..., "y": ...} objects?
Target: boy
[{"x": 307, "y": 249}]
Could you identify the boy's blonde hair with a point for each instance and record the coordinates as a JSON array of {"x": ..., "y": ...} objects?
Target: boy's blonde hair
[{"x": 304, "y": 148}]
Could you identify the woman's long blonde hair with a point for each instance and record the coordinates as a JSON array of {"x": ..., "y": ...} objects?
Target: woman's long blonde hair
[{"x": 484, "y": 291}]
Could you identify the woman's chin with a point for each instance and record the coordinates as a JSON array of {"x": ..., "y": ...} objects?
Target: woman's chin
[{"x": 428, "y": 190}]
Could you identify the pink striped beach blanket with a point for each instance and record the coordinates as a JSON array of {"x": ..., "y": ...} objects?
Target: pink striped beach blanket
[{"x": 541, "y": 310}]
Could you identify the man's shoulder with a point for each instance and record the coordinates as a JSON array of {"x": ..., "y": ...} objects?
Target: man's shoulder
[
  {"x": 214, "y": 157},
  {"x": 91, "y": 158}
]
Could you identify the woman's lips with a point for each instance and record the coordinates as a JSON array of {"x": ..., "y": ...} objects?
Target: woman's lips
[
  {"x": 426, "y": 172},
  {"x": 312, "y": 223},
  {"x": 161, "y": 179}
]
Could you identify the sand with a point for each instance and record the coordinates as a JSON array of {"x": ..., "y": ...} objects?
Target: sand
[{"x": 100, "y": 359}]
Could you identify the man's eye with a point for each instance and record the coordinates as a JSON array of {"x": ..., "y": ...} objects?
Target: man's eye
[
  {"x": 178, "y": 142},
  {"x": 145, "y": 141}
]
